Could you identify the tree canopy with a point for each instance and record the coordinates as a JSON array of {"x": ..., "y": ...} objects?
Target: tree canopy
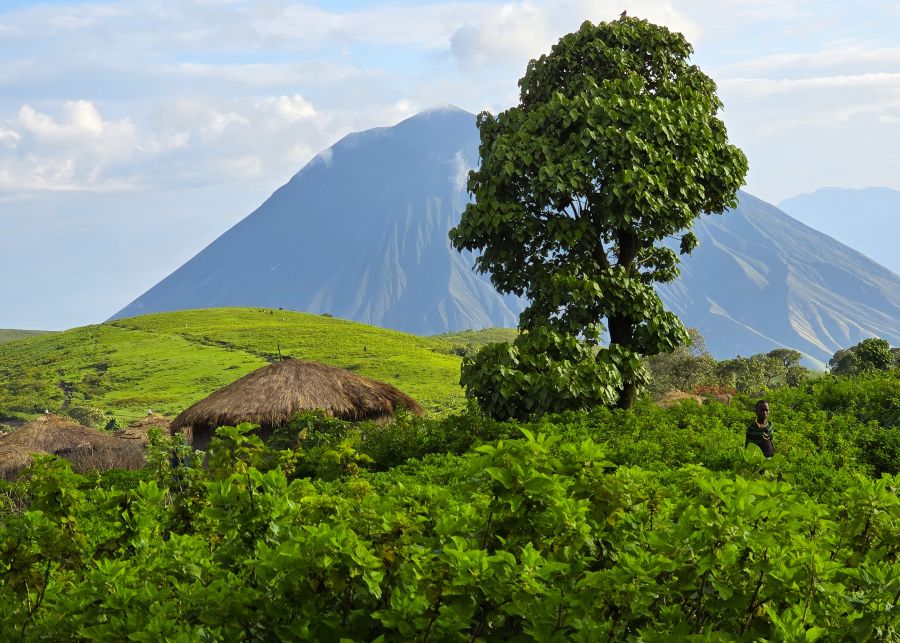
[
  {"x": 615, "y": 147},
  {"x": 871, "y": 354}
]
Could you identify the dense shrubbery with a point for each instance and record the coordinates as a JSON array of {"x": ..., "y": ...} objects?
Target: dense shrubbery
[
  {"x": 89, "y": 416},
  {"x": 692, "y": 368},
  {"x": 651, "y": 524}
]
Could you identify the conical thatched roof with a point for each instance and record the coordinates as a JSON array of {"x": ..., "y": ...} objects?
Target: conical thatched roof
[
  {"x": 13, "y": 459},
  {"x": 271, "y": 395},
  {"x": 138, "y": 429},
  {"x": 86, "y": 448},
  {"x": 51, "y": 433}
]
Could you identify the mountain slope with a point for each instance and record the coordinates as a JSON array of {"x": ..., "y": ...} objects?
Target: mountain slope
[
  {"x": 360, "y": 233},
  {"x": 867, "y": 220},
  {"x": 761, "y": 280}
]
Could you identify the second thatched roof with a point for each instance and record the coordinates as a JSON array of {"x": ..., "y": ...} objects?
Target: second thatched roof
[
  {"x": 51, "y": 433},
  {"x": 86, "y": 448},
  {"x": 271, "y": 395},
  {"x": 139, "y": 429},
  {"x": 13, "y": 459}
]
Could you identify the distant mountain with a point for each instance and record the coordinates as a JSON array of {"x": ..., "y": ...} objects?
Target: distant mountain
[
  {"x": 361, "y": 233},
  {"x": 867, "y": 220},
  {"x": 762, "y": 280}
]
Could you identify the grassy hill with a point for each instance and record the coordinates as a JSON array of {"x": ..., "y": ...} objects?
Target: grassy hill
[
  {"x": 11, "y": 335},
  {"x": 167, "y": 361},
  {"x": 467, "y": 341}
]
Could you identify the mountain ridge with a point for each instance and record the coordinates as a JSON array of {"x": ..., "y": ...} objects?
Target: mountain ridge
[
  {"x": 409, "y": 220},
  {"x": 865, "y": 219},
  {"x": 360, "y": 232}
]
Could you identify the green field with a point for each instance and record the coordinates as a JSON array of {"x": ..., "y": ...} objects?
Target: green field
[
  {"x": 11, "y": 335},
  {"x": 472, "y": 340},
  {"x": 168, "y": 361}
]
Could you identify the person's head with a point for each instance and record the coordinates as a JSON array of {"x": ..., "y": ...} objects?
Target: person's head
[{"x": 762, "y": 411}]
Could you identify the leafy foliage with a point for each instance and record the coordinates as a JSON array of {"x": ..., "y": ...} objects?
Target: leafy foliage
[
  {"x": 543, "y": 370},
  {"x": 685, "y": 368},
  {"x": 88, "y": 416},
  {"x": 603, "y": 525},
  {"x": 869, "y": 354},
  {"x": 615, "y": 146},
  {"x": 762, "y": 371}
]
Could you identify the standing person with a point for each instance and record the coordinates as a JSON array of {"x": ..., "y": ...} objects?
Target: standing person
[{"x": 760, "y": 431}]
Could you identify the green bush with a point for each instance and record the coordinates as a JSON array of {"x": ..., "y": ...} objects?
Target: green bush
[
  {"x": 88, "y": 416},
  {"x": 649, "y": 524}
]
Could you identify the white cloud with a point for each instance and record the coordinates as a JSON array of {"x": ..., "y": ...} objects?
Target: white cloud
[
  {"x": 173, "y": 87},
  {"x": 842, "y": 58},
  {"x": 245, "y": 167},
  {"x": 9, "y": 138},
  {"x": 70, "y": 151},
  {"x": 325, "y": 156},
  {"x": 186, "y": 142},
  {"x": 264, "y": 74},
  {"x": 460, "y": 173},
  {"x": 765, "y": 86},
  {"x": 218, "y": 121},
  {"x": 83, "y": 121},
  {"x": 515, "y": 32},
  {"x": 290, "y": 108}
]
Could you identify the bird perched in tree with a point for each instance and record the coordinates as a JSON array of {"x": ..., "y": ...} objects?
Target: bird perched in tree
[{"x": 623, "y": 14}]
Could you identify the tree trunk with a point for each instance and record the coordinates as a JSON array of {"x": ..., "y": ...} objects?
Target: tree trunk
[
  {"x": 621, "y": 331},
  {"x": 628, "y": 395}
]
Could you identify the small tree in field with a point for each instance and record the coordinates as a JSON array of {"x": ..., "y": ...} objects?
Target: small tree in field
[
  {"x": 683, "y": 369},
  {"x": 615, "y": 146}
]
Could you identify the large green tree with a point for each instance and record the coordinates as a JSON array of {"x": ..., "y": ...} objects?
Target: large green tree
[{"x": 615, "y": 146}]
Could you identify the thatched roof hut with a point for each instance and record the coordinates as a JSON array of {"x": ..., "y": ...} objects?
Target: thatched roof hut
[
  {"x": 271, "y": 395},
  {"x": 138, "y": 430},
  {"x": 13, "y": 459},
  {"x": 86, "y": 448}
]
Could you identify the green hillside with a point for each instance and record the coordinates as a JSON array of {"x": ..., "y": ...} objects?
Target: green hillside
[
  {"x": 11, "y": 335},
  {"x": 469, "y": 341},
  {"x": 168, "y": 361}
]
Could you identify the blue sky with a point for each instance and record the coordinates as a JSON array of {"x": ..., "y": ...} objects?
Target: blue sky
[{"x": 133, "y": 133}]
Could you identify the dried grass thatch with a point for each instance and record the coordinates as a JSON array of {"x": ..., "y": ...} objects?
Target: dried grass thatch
[
  {"x": 271, "y": 395},
  {"x": 86, "y": 448},
  {"x": 673, "y": 398},
  {"x": 13, "y": 459},
  {"x": 139, "y": 429}
]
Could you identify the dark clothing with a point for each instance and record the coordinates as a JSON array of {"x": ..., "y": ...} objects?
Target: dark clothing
[{"x": 763, "y": 437}]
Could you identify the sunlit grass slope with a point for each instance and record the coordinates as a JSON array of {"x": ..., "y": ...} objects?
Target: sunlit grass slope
[
  {"x": 474, "y": 339},
  {"x": 167, "y": 361},
  {"x": 11, "y": 335}
]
